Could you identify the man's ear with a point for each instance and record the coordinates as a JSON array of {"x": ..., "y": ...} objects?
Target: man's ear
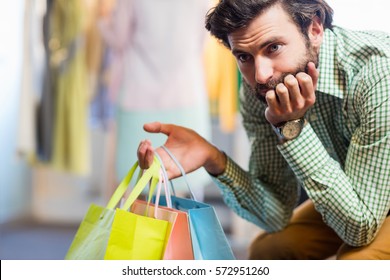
[{"x": 316, "y": 32}]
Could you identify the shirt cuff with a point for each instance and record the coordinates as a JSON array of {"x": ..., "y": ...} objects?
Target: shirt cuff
[
  {"x": 305, "y": 154},
  {"x": 233, "y": 181}
]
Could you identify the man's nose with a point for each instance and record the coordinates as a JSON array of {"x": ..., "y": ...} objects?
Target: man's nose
[{"x": 264, "y": 70}]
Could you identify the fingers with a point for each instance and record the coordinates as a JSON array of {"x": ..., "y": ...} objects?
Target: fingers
[
  {"x": 145, "y": 154},
  {"x": 283, "y": 97},
  {"x": 287, "y": 96},
  {"x": 145, "y": 151},
  {"x": 293, "y": 87},
  {"x": 314, "y": 73},
  {"x": 307, "y": 88},
  {"x": 293, "y": 97}
]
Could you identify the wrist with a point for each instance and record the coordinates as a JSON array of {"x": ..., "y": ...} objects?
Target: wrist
[
  {"x": 289, "y": 130},
  {"x": 216, "y": 165}
]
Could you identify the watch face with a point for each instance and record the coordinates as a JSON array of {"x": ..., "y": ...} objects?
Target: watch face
[{"x": 291, "y": 129}]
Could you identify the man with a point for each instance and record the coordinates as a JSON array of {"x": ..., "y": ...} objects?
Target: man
[{"x": 316, "y": 108}]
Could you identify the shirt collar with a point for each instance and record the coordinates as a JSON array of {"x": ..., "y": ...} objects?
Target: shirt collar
[{"x": 331, "y": 80}]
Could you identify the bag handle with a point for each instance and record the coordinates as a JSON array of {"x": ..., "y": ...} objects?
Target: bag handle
[
  {"x": 164, "y": 175},
  {"x": 150, "y": 195},
  {"x": 153, "y": 174},
  {"x": 151, "y": 191},
  {"x": 183, "y": 173},
  {"x": 163, "y": 181},
  {"x": 121, "y": 189}
]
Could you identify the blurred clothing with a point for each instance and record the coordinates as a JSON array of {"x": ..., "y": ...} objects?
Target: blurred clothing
[
  {"x": 222, "y": 80},
  {"x": 31, "y": 86},
  {"x": 157, "y": 72},
  {"x": 68, "y": 60},
  {"x": 46, "y": 105},
  {"x": 158, "y": 45}
]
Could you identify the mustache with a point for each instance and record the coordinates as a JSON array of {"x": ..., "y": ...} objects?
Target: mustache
[
  {"x": 269, "y": 85},
  {"x": 272, "y": 83}
]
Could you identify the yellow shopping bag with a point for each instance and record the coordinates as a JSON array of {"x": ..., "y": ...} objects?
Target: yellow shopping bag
[
  {"x": 134, "y": 236},
  {"x": 179, "y": 246},
  {"x": 91, "y": 239}
]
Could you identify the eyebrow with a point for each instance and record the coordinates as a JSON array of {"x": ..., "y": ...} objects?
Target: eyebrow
[{"x": 263, "y": 45}]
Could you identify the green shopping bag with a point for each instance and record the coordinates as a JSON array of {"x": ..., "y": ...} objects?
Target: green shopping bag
[
  {"x": 90, "y": 241},
  {"x": 134, "y": 236}
]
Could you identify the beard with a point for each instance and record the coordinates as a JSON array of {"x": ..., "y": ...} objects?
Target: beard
[{"x": 311, "y": 56}]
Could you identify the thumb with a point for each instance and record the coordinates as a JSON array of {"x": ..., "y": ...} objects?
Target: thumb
[
  {"x": 154, "y": 127},
  {"x": 157, "y": 127}
]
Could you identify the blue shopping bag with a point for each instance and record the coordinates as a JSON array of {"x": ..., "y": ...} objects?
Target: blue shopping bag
[
  {"x": 209, "y": 241},
  {"x": 208, "y": 238}
]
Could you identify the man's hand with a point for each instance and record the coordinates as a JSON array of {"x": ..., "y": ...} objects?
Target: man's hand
[
  {"x": 291, "y": 99},
  {"x": 145, "y": 154},
  {"x": 190, "y": 149}
]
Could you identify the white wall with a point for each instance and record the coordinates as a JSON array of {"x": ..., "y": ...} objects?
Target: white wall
[
  {"x": 15, "y": 183},
  {"x": 359, "y": 14}
]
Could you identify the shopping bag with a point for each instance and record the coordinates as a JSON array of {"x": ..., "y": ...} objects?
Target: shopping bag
[
  {"x": 134, "y": 236},
  {"x": 179, "y": 246},
  {"x": 91, "y": 238},
  {"x": 209, "y": 241}
]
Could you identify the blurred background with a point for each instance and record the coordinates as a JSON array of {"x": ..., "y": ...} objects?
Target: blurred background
[{"x": 78, "y": 80}]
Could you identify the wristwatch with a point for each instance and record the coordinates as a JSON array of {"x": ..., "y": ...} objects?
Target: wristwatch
[{"x": 290, "y": 129}]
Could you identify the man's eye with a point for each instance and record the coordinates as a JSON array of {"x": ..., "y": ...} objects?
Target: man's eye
[
  {"x": 274, "y": 48},
  {"x": 243, "y": 57}
]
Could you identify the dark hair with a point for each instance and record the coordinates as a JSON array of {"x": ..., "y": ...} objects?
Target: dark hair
[{"x": 231, "y": 15}]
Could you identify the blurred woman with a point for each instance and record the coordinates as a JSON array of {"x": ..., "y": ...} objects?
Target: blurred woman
[{"x": 157, "y": 72}]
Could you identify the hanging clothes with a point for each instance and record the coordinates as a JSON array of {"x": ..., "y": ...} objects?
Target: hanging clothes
[
  {"x": 222, "y": 83},
  {"x": 102, "y": 108},
  {"x": 33, "y": 64},
  {"x": 45, "y": 111},
  {"x": 68, "y": 62},
  {"x": 93, "y": 44},
  {"x": 98, "y": 61}
]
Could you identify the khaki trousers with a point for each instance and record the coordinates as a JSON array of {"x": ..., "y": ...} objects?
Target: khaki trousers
[{"x": 308, "y": 237}]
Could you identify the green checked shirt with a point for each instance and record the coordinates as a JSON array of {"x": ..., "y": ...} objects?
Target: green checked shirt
[{"x": 341, "y": 158}]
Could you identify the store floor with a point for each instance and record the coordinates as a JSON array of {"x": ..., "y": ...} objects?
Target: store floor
[{"x": 33, "y": 241}]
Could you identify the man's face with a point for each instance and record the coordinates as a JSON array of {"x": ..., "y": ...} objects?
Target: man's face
[{"x": 270, "y": 48}]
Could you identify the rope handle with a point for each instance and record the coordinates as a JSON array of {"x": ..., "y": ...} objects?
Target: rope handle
[{"x": 183, "y": 173}]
